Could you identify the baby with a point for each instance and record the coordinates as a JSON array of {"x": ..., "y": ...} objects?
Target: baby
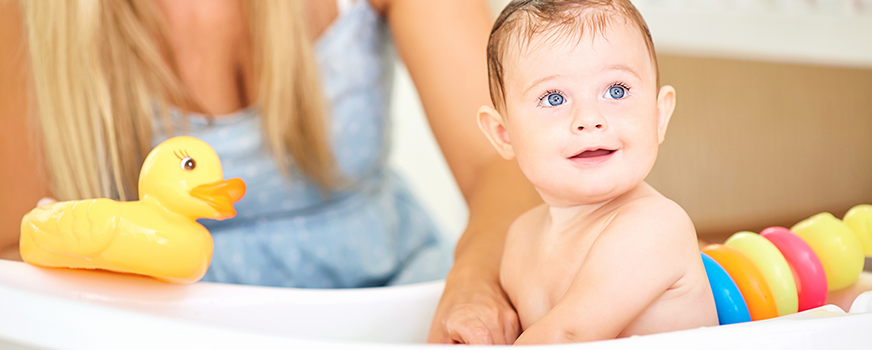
[{"x": 575, "y": 86}]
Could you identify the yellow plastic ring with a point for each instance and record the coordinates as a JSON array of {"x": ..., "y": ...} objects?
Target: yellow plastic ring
[
  {"x": 773, "y": 266},
  {"x": 859, "y": 219},
  {"x": 837, "y": 246}
]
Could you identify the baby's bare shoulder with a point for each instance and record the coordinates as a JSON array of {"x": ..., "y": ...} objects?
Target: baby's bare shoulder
[
  {"x": 654, "y": 206},
  {"x": 654, "y": 222}
]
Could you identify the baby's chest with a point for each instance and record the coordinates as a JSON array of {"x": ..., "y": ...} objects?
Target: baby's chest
[{"x": 536, "y": 283}]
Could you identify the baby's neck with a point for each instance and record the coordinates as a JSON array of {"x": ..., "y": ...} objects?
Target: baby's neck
[{"x": 561, "y": 217}]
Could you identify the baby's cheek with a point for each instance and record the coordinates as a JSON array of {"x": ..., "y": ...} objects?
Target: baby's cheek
[
  {"x": 534, "y": 168},
  {"x": 644, "y": 162},
  {"x": 526, "y": 163}
]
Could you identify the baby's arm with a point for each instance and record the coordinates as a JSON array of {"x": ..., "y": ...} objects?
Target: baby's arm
[{"x": 637, "y": 257}]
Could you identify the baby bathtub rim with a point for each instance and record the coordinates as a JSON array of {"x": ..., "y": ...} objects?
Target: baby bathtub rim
[
  {"x": 91, "y": 285},
  {"x": 71, "y": 291},
  {"x": 20, "y": 324},
  {"x": 17, "y": 322}
]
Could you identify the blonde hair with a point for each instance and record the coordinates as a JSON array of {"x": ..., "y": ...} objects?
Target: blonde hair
[
  {"x": 521, "y": 20},
  {"x": 102, "y": 70}
]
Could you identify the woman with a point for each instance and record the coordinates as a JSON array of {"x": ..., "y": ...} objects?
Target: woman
[{"x": 108, "y": 80}]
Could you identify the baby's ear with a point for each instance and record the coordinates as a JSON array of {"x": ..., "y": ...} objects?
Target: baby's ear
[
  {"x": 492, "y": 125},
  {"x": 665, "y": 107}
]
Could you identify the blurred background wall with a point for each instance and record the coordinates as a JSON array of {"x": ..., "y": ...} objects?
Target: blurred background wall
[
  {"x": 773, "y": 122},
  {"x": 756, "y": 144}
]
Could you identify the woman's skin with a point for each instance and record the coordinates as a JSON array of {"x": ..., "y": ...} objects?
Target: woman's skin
[
  {"x": 21, "y": 179},
  {"x": 442, "y": 45}
]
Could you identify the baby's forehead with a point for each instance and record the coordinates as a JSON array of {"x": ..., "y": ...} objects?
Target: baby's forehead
[
  {"x": 616, "y": 42},
  {"x": 526, "y": 39}
]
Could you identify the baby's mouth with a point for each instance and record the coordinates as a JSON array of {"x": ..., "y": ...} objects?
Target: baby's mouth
[{"x": 594, "y": 153}]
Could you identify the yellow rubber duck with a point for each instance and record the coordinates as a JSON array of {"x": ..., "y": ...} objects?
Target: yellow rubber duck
[{"x": 181, "y": 180}]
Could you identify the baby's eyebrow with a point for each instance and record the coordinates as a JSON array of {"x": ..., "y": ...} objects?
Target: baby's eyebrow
[
  {"x": 622, "y": 67},
  {"x": 540, "y": 81}
]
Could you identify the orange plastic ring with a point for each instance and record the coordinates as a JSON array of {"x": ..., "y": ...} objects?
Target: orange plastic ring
[{"x": 758, "y": 297}]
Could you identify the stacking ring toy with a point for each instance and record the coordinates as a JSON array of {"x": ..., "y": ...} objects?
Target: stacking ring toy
[
  {"x": 772, "y": 266},
  {"x": 836, "y": 245},
  {"x": 811, "y": 282},
  {"x": 728, "y": 300},
  {"x": 751, "y": 283},
  {"x": 859, "y": 219}
]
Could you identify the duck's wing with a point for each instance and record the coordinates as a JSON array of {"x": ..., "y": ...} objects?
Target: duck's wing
[{"x": 79, "y": 228}]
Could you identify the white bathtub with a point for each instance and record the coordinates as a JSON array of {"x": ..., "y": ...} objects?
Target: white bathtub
[{"x": 67, "y": 309}]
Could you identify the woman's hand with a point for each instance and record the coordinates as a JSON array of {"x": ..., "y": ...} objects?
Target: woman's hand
[{"x": 473, "y": 310}]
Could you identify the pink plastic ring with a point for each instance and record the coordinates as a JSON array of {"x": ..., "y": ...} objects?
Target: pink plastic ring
[{"x": 811, "y": 283}]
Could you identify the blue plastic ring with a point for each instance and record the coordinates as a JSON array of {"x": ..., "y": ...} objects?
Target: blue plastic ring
[{"x": 729, "y": 301}]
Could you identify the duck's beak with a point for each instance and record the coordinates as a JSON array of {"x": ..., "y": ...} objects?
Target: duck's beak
[{"x": 221, "y": 195}]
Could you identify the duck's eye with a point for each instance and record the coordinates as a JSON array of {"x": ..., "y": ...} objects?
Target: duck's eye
[{"x": 188, "y": 163}]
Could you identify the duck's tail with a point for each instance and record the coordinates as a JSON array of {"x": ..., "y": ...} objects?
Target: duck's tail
[{"x": 67, "y": 228}]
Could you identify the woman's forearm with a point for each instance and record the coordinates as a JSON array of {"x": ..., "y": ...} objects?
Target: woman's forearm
[
  {"x": 474, "y": 309},
  {"x": 443, "y": 45},
  {"x": 501, "y": 194},
  {"x": 452, "y": 84}
]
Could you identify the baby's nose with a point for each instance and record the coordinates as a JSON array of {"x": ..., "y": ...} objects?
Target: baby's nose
[
  {"x": 597, "y": 126},
  {"x": 587, "y": 118}
]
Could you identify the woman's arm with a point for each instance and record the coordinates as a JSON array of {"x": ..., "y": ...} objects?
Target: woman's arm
[
  {"x": 443, "y": 45},
  {"x": 474, "y": 309},
  {"x": 21, "y": 184}
]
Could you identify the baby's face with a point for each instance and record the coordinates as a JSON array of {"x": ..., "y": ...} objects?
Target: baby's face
[{"x": 582, "y": 115}]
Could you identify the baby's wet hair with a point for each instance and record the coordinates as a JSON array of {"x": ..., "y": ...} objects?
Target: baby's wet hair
[{"x": 522, "y": 20}]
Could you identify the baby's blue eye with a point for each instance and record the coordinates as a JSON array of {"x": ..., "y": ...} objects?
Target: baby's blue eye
[
  {"x": 552, "y": 99},
  {"x": 615, "y": 92}
]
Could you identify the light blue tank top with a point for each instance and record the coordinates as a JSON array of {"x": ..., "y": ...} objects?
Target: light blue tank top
[{"x": 286, "y": 232}]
